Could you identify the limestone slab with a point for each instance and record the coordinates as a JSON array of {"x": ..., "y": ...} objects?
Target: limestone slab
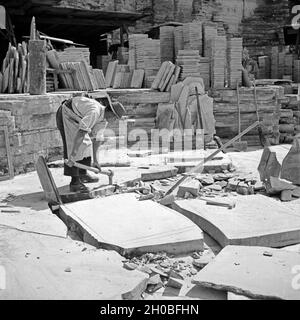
[
  {"x": 249, "y": 271},
  {"x": 255, "y": 221},
  {"x": 124, "y": 224}
]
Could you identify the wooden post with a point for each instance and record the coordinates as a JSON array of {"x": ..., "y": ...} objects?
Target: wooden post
[{"x": 37, "y": 67}]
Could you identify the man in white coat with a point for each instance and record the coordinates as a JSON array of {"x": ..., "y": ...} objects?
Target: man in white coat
[{"x": 81, "y": 122}]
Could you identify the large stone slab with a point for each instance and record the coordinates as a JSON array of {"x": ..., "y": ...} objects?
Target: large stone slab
[
  {"x": 255, "y": 221},
  {"x": 255, "y": 272},
  {"x": 50, "y": 267},
  {"x": 129, "y": 226}
]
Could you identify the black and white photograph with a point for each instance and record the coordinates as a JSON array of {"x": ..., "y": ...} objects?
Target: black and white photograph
[{"x": 149, "y": 154}]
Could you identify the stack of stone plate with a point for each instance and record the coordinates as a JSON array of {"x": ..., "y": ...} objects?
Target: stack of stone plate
[
  {"x": 192, "y": 35},
  {"x": 297, "y": 71},
  {"x": 209, "y": 33},
  {"x": 218, "y": 59},
  {"x": 133, "y": 40},
  {"x": 148, "y": 58},
  {"x": 178, "y": 39},
  {"x": 204, "y": 68},
  {"x": 234, "y": 59},
  {"x": 188, "y": 60},
  {"x": 167, "y": 43}
]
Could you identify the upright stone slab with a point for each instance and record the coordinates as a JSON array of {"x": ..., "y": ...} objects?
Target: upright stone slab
[{"x": 37, "y": 67}]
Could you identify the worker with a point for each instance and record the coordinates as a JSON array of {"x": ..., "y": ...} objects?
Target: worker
[{"x": 81, "y": 122}]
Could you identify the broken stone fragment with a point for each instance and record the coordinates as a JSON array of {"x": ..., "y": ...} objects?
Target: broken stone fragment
[
  {"x": 296, "y": 192},
  {"x": 221, "y": 177},
  {"x": 244, "y": 189},
  {"x": 269, "y": 165},
  {"x": 191, "y": 185},
  {"x": 232, "y": 184},
  {"x": 175, "y": 283},
  {"x": 205, "y": 179},
  {"x": 130, "y": 266},
  {"x": 291, "y": 163},
  {"x": 286, "y": 195},
  {"x": 276, "y": 186},
  {"x": 215, "y": 187},
  {"x": 175, "y": 275}
]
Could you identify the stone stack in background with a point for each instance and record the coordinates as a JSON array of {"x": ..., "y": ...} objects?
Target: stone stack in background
[
  {"x": 148, "y": 56},
  {"x": 204, "y": 68},
  {"x": 264, "y": 67},
  {"x": 32, "y": 129},
  {"x": 289, "y": 118},
  {"x": 226, "y": 115},
  {"x": 288, "y": 66},
  {"x": 192, "y": 35},
  {"x": 178, "y": 39},
  {"x": 275, "y": 63},
  {"x": 209, "y": 33},
  {"x": 188, "y": 60},
  {"x": 296, "y": 71},
  {"x": 167, "y": 43},
  {"x": 133, "y": 40},
  {"x": 218, "y": 64},
  {"x": 234, "y": 61}
]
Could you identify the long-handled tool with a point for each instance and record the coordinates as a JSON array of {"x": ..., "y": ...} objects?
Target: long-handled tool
[
  {"x": 199, "y": 166},
  {"x": 239, "y": 145},
  {"x": 108, "y": 173}
]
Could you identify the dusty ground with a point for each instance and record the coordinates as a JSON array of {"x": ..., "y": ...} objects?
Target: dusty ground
[{"x": 43, "y": 263}]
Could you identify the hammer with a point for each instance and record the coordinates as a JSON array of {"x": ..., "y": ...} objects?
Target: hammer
[{"x": 108, "y": 173}]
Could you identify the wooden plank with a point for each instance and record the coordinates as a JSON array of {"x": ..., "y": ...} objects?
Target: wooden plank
[
  {"x": 255, "y": 221},
  {"x": 256, "y": 272},
  {"x": 128, "y": 226}
]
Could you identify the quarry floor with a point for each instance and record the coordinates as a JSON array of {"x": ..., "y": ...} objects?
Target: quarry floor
[{"x": 42, "y": 262}]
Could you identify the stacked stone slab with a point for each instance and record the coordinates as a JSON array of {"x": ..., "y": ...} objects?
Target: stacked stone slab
[
  {"x": 133, "y": 40},
  {"x": 188, "y": 60},
  {"x": 192, "y": 35},
  {"x": 296, "y": 71},
  {"x": 234, "y": 60},
  {"x": 148, "y": 56},
  {"x": 218, "y": 63},
  {"x": 209, "y": 33},
  {"x": 226, "y": 112},
  {"x": 264, "y": 67},
  {"x": 204, "y": 68},
  {"x": 167, "y": 43},
  {"x": 178, "y": 39},
  {"x": 274, "y": 63}
]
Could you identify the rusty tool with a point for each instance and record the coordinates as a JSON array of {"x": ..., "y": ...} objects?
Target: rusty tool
[{"x": 108, "y": 173}]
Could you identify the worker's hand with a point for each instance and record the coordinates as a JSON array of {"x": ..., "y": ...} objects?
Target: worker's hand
[
  {"x": 96, "y": 165},
  {"x": 70, "y": 162}
]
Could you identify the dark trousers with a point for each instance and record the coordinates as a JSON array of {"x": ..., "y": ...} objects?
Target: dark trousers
[{"x": 70, "y": 171}]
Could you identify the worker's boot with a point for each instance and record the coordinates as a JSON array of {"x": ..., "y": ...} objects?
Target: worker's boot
[
  {"x": 77, "y": 186},
  {"x": 88, "y": 178}
]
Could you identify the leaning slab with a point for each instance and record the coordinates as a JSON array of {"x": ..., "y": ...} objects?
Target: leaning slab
[
  {"x": 255, "y": 272},
  {"x": 255, "y": 221},
  {"x": 128, "y": 226}
]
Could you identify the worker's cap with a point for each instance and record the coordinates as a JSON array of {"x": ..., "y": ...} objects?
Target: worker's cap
[{"x": 118, "y": 109}]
